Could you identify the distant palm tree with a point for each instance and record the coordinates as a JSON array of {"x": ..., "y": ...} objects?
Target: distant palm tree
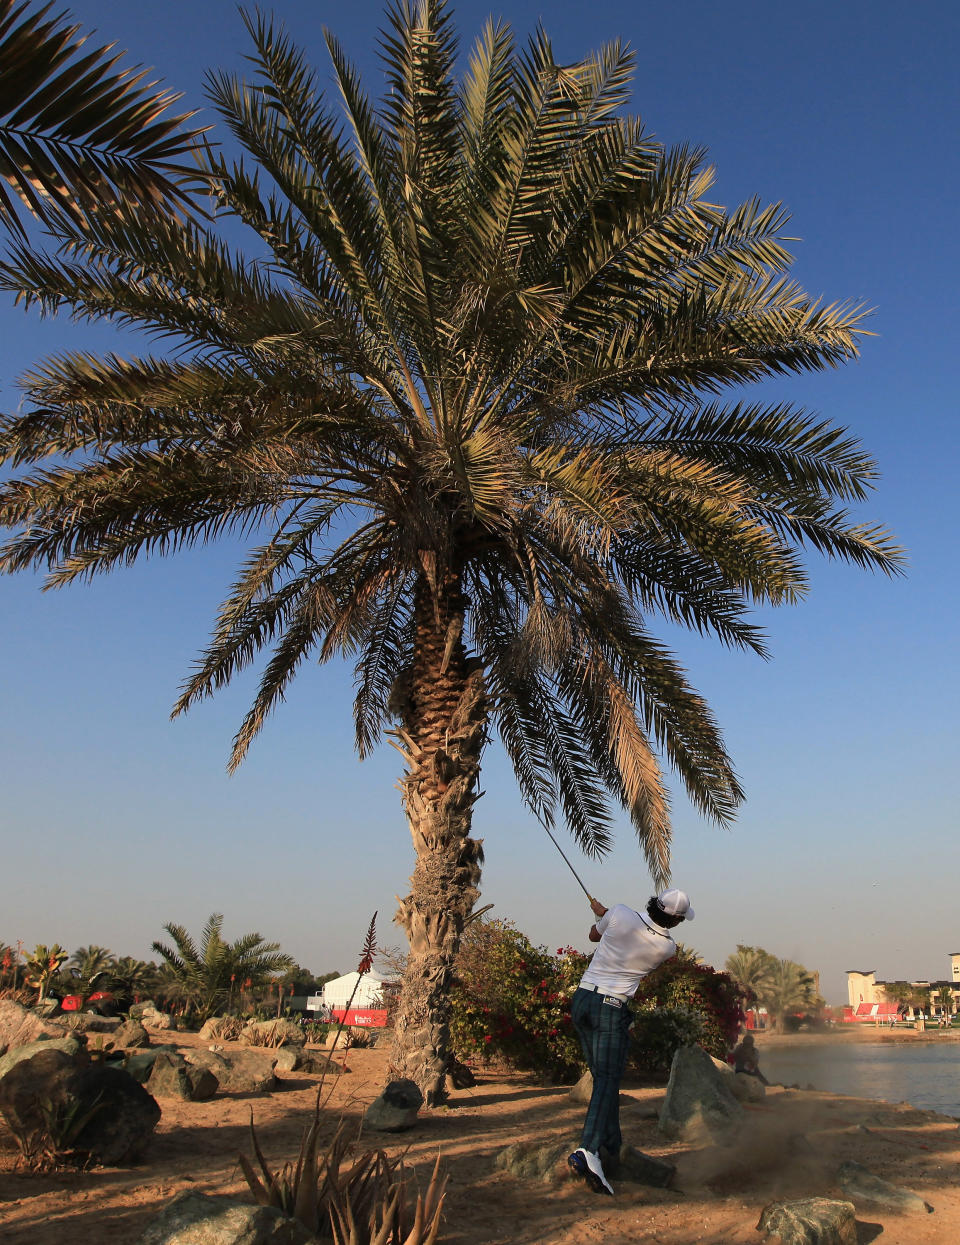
[
  {"x": 201, "y": 976},
  {"x": 945, "y": 1000},
  {"x": 788, "y": 989},
  {"x": 464, "y": 399},
  {"x": 90, "y": 969},
  {"x": 132, "y": 979},
  {"x": 751, "y": 968},
  {"x": 79, "y": 134}
]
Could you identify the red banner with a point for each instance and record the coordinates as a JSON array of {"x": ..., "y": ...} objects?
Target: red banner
[{"x": 369, "y": 1017}]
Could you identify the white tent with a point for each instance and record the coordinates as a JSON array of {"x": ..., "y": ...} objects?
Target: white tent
[{"x": 337, "y": 993}]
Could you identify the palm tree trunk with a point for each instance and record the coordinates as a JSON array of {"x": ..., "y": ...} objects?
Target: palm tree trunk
[{"x": 444, "y": 728}]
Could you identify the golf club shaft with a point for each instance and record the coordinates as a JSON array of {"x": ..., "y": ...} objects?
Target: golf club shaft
[{"x": 569, "y": 865}]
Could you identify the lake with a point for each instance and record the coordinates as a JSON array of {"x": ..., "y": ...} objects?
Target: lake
[{"x": 924, "y": 1074}]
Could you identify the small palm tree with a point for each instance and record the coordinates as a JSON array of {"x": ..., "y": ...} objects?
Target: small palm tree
[
  {"x": 465, "y": 395},
  {"x": 78, "y": 134},
  {"x": 90, "y": 969},
  {"x": 132, "y": 979},
  {"x": 201, "y": 976},
  {"x": 789, "y": 988}
]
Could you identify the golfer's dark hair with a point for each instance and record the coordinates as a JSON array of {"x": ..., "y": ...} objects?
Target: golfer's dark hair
[{"x": 663, "y": 918}]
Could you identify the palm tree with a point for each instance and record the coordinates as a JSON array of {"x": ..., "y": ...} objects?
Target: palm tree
[
  {"x": 90, "y": 969},
  {"x": 79, "y": 134},
  {"x": 201, "y": 976},
  {"x": 132, "y": 979},
  {"x": 751, "y": 968},
  {"x": 788, "y": 989},
  {"x": 465, "y": 394}
]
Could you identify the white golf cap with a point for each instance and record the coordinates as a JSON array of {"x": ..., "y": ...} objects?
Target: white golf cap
[{"x": 676, "y": 903}]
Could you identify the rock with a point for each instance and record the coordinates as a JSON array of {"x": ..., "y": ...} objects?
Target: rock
[
  {"x": 288, "y": 1059},
  {"x": 747, "y": 1088},
  {"x": 197, "y": 1219},
  {"x": 810, "y": 1221},
  {"x": 172, "y": 1077},
  {"x": 644, "y": 1168},
  {"x": 47, "y": 1008},
  {"x": 583, "y": 1089},
  {"x": 131, "y": 1035},
  {"x": 536, "y": 1160},
  {"x": 152, "y": 1019},
  {"x": 113, "y": 1117},
  {"x": 20, "y": 1026},
  {"x": 699, "y": 1098},
  {"x": 239, "y": 1072},
  {"x": 221, "y": 1029},
  {"x": 396, "y": 1108},
  {"x": 458, "y": 1074},
  {"x": 862, "y": 1185},
  {"x": 89, "y": 1022},
  {"x": 273, "y": 1033},
  {"x": 140, "y": 1065},
  {"x": 66, "y": 1045},
  {"x": 320, "y": 1064}
]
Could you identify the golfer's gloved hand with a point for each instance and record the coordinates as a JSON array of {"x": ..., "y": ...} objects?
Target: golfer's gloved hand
[{"x": 598, "y": 908}]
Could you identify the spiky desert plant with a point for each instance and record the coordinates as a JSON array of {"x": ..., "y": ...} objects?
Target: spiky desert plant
[
  {"x": 363, "y": 1205},
  {"x": 43, "y": 967},
  {"x": 466, "y": 398}
]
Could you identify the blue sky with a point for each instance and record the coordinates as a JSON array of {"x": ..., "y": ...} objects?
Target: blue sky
[{"x": 116, "y": 820}]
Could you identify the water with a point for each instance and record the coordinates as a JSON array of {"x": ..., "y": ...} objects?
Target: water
[{"x": 924, "y": 1074}]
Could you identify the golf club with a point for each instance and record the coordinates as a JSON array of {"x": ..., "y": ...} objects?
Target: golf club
[{"x": 569, "y": 865}]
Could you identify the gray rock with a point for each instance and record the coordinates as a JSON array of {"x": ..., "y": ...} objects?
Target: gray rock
[
  {"x": 172, "y": 1077},
  {"x": 644, "y": 1169},
  {"x": 536, "y": 1160},
  {"x": 747, "y": 1088},
  {"x": 859, "y": 1183},
  {"x": 699, "y": 1099},
  {"x": 221, "y": 1029},
  {"x": 150, "y": 1018},
  {"x": 66, "y": 1045},
  {"x": 20, "y": 1026},
  {"x": 810, "y": 1221},
  {"x": 396, "y": 1108},
  {"x": 458, "y": 1074},
  {"x": 131, "y": 1035},
  {"x": 196, "y": 1219},
  {"x": 273, "y": 1033},
  {"x": 288, "y": 1059},
  {"x": 583, "y": 1089},
  {"x": 239, "y": 1072},
  {"x": 114, "y": 1116},
  {"x": 140, "y": 1065},
  {"x": 320, "y": 1065}
]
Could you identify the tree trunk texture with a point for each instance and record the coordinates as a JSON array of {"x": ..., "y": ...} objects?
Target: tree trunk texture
[{"x": 444, "y": 727}]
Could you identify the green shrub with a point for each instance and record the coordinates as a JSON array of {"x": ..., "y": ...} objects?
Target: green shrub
[
  {"x": 511, "y": 1001},
  {"x": 658, "y": 1032},
  {"x": 681, "y": 983}
]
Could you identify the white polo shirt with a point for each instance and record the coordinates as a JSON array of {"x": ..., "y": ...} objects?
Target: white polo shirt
[{"x": 630, "y": 947}]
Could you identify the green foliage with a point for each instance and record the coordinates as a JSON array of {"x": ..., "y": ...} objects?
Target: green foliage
[
  {"x": 783, "y": 987},
  {"x": 204, "y": 977},
  {"x": 681, "y": 986},
  {"x": 658, "y": 1032},
  {"x": 43, "y": 968},
  {"x": 511, "y": 1001}
]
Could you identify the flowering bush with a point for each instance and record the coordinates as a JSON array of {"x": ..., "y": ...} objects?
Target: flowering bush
[
  {"x": 658, "y": 1032},
  {"x": 511, "y": 1001},
  {"x": 682, "y": 984}
]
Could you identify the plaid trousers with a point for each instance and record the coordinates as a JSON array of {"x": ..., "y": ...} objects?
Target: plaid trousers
[{"x": 603, "y": 1032}]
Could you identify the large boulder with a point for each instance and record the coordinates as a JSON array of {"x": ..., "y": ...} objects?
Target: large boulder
[
  {"x": 810, "y": 1221},
  {"x": 539, "y": 1159},
  {"x": 140, "y": 1064},
  {"x": 96, "y": 1112},
  {"x": 862, "y": 1185},
  {"x": 699, "y": 1100},
  {"x": 89, "y": 1022},
  {"x": 66, "y": 1044},
  {"x": 396, "y": 1108},
  {"x": 21, "y": 1025},
  {"x": 240, "y": 1071},
  {"x": 172, "y": 1077},
  {"x": 319, "y": 1064},
  {"x": 273, "y": 1033},
  {"x": 747, "y": 1088},
  {"x": 197, "y": 1219}
]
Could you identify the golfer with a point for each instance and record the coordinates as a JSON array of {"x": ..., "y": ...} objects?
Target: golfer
[{"x": 632, "y": 944}]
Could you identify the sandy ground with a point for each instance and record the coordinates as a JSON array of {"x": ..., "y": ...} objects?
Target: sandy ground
[{"x": 718, "y": 1194}]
